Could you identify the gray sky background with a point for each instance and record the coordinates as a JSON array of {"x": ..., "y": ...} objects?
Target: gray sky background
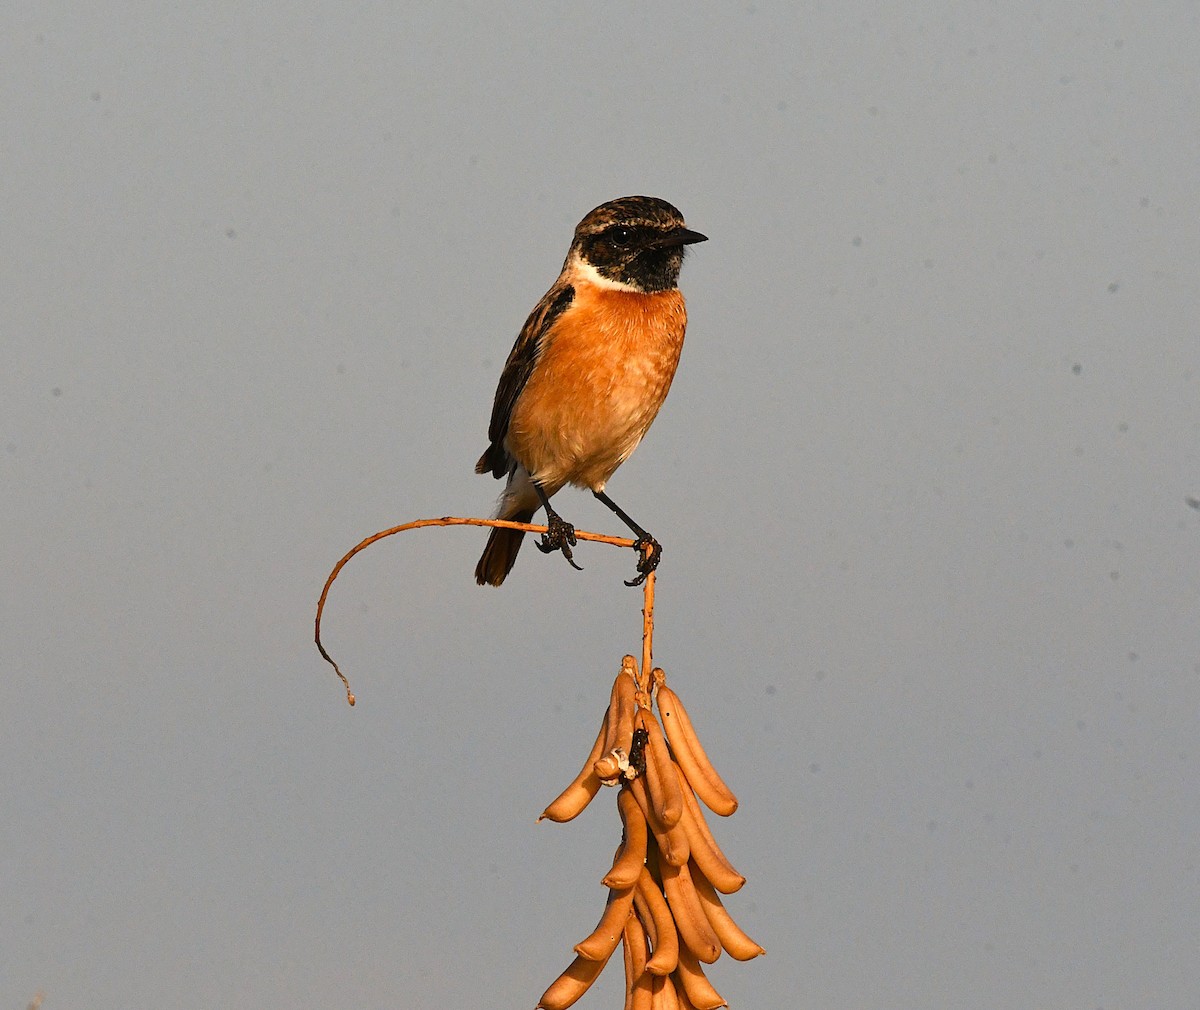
[{"x": 931, "y": 579}]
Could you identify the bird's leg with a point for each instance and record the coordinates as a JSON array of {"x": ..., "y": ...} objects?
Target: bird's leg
[
  {"x": 649, "y": 550},
  {"x": 559, "y": 535}
]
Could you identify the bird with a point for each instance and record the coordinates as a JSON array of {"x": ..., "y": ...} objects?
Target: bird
[{"x": 587, "y": 375}]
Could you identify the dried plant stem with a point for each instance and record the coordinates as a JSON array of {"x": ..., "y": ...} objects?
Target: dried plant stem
[
  {"x": 599, "y": 538},
  {"x": 644, "y": 682}
]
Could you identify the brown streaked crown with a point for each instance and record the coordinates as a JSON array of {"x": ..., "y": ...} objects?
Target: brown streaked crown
[{"x": 636, "y": 240}]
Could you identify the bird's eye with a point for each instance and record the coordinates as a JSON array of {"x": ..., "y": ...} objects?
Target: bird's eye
[{"x": 620, "y": 236}]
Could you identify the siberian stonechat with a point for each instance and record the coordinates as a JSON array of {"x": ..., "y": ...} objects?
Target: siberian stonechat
[{"x": 587, "y": 375}]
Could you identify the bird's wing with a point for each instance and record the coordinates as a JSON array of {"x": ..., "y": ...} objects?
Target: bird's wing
[{"x": 521, "y": 360}]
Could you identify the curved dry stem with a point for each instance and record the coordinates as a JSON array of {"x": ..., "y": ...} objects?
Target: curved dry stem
[{"x": 599, "y": 538}]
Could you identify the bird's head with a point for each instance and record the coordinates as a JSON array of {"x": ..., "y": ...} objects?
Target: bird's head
[{"x": 634, "y": 243}]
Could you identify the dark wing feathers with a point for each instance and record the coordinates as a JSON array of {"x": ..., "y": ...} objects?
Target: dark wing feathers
[{"x": 521, "y": 360}]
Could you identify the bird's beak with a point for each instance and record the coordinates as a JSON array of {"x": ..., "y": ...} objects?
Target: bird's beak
[{"x": 677, "y": 236}]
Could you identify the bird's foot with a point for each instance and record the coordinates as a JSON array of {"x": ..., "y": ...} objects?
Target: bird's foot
[
  {"x": 649, "y": 554},
  {"x": 559, "y": 536}
]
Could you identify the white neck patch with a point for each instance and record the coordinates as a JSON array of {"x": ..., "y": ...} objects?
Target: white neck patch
[{"x": 590, "y": 275}]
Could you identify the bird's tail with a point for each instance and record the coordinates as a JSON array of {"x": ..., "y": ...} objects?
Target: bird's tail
[{"x": 500, "y": 554}]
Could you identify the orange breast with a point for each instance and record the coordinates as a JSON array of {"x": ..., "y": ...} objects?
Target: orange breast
[{"x": 603, "y": 373}]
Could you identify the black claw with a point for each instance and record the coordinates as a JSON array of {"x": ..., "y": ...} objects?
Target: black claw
[
  {"x": 559, "y": 536},
  {"x": 649, "y": 554}
]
